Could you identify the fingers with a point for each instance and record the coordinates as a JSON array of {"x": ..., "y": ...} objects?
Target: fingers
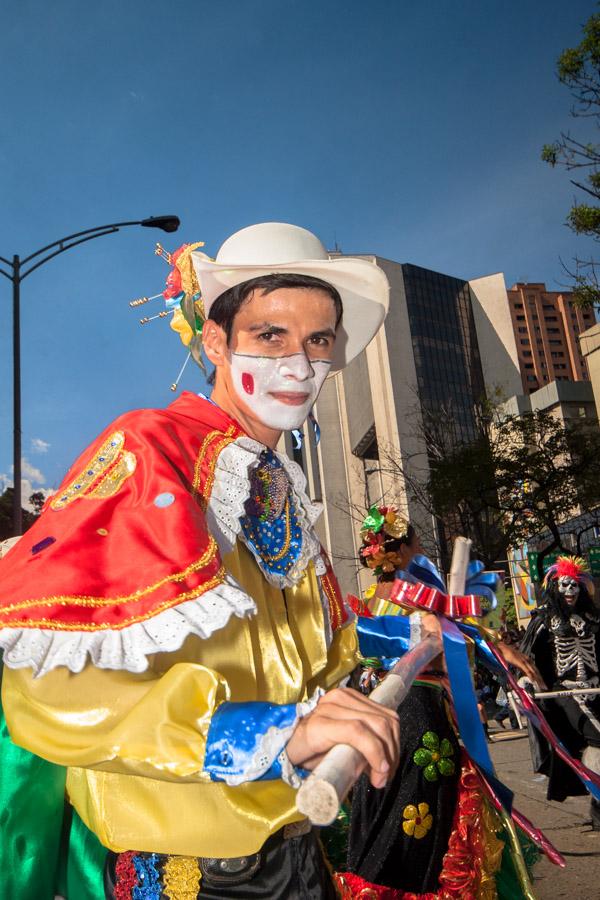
[
  {"x": 354, "y": 700},
  {"x": 369, "y": 738},
  {"x": 344, "y": 716}
]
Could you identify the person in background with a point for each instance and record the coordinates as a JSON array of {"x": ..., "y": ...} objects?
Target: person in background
[{"x": 418, "y": 836}]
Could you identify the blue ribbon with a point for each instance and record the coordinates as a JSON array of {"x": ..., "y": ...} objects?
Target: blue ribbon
[
  {"x": 383, "y": 636},
  {"x": 421, "y": 568},
  {"x": 483, "y": 584},
  {"x": 457, "y": 662},
  {"x": 465, "y": 705}
]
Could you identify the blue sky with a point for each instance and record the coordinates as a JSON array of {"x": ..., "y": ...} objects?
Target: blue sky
[{"x": 412, "y": 130}]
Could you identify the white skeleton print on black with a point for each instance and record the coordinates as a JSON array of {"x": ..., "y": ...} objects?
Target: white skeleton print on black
[{"x": 576, "y": 651}]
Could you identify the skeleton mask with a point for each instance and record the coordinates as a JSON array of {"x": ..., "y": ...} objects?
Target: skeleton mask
[{"x": 569, "y": 589}]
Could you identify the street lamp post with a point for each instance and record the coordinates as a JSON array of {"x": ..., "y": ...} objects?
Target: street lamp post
[{"x": 17, "y": 271}]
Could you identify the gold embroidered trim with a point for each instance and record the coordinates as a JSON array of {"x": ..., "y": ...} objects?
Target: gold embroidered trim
[
  {"x": 203, "y": 492},
  {"x": 53, "y": 625},
  {"x": 206, "y": 558},
  {"x": 181, "y": 878},
  {"x": 333, "y": 601},
  {"x": 103, "y": 476},
  {"x": 123, "y": 468}
]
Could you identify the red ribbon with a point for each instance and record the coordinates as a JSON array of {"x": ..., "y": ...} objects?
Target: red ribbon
[{"x": 419, "y": 596}]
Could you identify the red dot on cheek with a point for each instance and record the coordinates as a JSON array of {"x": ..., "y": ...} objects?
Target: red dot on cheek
[{"x": 248, "y": 382}]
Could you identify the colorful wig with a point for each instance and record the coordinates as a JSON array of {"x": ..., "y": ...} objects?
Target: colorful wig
[{"x": 574, "y": 567}]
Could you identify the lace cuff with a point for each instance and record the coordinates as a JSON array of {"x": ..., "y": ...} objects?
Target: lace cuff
[{"x": 246, "y": 741}]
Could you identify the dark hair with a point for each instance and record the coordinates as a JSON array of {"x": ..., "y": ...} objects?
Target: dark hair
[{"x": 227, "y": 305}]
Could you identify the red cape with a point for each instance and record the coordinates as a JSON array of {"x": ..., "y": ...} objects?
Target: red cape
[{"x": 125, "y": 537}]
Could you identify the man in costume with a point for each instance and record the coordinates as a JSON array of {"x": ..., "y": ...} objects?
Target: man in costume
[
  {"x": 563, "y": 638},
  {"x": 171, "y": 621}
]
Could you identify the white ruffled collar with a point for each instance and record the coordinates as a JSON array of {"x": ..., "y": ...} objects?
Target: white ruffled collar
[{"x": 231, "y": 490}]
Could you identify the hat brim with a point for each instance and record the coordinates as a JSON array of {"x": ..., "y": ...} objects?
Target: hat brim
[{"x": 362, "y": 285}]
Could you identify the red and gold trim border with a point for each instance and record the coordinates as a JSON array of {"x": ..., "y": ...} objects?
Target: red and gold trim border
[
  {"x": 206, "y": 461},
  {"x": 338, "y": 615},
  {"x": 210, "y": 556}
]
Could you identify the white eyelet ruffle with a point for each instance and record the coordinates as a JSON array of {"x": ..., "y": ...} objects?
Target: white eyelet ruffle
[
  {"x": 231, "y": 489},
  {"x": 128, "y": 648}
]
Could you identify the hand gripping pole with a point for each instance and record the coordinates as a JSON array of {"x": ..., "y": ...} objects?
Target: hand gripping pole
[{"x": 321, "y": 795}]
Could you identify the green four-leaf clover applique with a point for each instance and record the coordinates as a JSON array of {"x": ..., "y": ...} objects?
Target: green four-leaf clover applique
[{"x": 433, "y": 756}]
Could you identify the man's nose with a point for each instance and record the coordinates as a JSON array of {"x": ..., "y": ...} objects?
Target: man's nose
[{"x": 297, "y": 367}]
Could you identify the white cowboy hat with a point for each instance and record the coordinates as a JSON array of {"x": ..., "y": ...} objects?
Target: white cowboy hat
[{"x": 278, "y": 247}]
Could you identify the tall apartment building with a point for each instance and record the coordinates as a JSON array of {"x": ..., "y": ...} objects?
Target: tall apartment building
[
  {"x": 547, "y": 326},
  {"x": 445, "y": 343}
]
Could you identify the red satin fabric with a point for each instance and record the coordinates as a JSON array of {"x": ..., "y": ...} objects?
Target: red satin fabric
[
  {"x": 124, "y": 558},
  {"x": 426, "y": 598}
]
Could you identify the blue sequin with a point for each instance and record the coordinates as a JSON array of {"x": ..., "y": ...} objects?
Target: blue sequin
[
  {"x": 164, "y": 500},
  {"x": 148, "y": 877},
  {"x": 41, "y": 545}
]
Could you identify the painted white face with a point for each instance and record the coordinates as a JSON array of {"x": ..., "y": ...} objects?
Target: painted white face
[
  {"x": 569, "y": 588},
  {"x": 280, "y": 391}
]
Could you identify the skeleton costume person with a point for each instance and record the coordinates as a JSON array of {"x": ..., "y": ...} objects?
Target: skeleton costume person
[{"x": 563, "y": 638}]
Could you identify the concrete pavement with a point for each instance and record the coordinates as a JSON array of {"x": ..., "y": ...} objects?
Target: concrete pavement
[{"x": 567, "y": 825}]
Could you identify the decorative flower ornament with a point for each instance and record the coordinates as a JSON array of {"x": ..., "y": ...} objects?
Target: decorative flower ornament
[
  {"x": 382, "y": 523},
  {"x": 433, "y": 756},
  {"x": 417, "y": 820},
  {"x": 183, "y": 302}
]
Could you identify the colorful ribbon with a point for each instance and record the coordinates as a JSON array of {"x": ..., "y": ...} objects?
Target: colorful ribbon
[
  {"x": 478, "y": 581},
  {"x": 419, "y": 596}
]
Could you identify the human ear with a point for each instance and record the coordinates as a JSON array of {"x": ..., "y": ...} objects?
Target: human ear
[{"x": 214, "y": 340}]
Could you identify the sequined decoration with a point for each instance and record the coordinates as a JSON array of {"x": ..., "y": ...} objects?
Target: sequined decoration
[
  {"x": 271, "y": 525},
  {"x": 103, "y": 476},
  {"x": 126, "y": 876},
  {"x": 268, "y": 489},
  {"x": 181, "y": 878},
  {"x": 148, "y": 886}
]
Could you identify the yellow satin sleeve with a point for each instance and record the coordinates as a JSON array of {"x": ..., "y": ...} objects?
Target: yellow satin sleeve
[{"x": 151, "y": 724}]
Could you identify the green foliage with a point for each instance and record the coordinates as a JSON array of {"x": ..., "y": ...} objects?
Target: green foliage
[
  {"x": 578, "y": 69},
  {"x": 584, "y": 219},
  {"x": 6, "y": 512},
  {"x": 524, "y": 476},
  {"x": 510, "y": 613}
]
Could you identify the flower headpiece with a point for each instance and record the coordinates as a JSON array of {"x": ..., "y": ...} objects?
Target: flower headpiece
[
  {"x": 183, "y": 302},
  {"x": 573, "y": 566},
  {"x": 381, "y": 524}
]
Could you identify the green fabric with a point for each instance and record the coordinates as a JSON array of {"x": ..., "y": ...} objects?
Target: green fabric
[
  {"x": 334, "y": 839},
  {"x": 31, "y": 814},
  {"x": 82, "y": 864},
  {"x": 507, "y": 880},
  {"x": 35, "y": 863}
]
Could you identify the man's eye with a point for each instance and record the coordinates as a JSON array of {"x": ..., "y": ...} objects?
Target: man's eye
[
  {"x": 320, "y": 341},
  {"x": 267, "y": 336}
]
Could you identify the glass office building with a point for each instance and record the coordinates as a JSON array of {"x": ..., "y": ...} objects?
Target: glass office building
[{"x": 445, "y": 347}]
